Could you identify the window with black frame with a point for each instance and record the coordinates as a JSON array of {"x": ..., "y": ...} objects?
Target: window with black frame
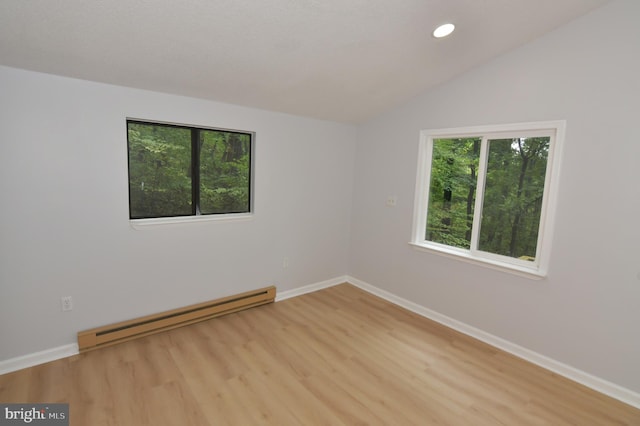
[{"x": 178, "y": 170}]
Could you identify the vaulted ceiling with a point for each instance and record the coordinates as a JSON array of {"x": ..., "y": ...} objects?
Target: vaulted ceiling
[{"x": 341, "y": 60}]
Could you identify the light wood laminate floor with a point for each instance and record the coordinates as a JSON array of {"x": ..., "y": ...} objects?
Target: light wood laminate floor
[{"x": 338, "y": 356}]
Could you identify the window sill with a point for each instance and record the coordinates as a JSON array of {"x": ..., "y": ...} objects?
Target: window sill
[
  {"x": 140, "y": 224},
  {"x": 531, "y": 273}
]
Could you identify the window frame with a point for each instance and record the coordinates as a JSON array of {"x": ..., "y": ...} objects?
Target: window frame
[
  {"x": 196, "y": 215},
  {"x": 536, "y": 269}
]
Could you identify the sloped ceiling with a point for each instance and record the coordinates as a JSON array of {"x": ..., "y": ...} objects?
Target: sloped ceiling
[{"x": 341, "y": 60}]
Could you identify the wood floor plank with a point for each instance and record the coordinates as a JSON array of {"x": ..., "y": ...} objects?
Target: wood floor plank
[{"x": 339, "y": 356}]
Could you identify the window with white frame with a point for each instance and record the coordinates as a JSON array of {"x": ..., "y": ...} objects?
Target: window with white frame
[{"x": 486, "y": 194}]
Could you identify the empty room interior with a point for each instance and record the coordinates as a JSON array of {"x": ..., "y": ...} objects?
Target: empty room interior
[{"x": 320, "y": 212}]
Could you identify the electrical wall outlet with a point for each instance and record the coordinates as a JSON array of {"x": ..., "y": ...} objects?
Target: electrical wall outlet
[{"x": 67, "y": 303}]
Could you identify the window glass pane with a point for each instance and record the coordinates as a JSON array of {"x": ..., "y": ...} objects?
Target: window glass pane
[
  {"x": 159, "y": 170},
  {"x": 225, "y": 163},
  {"x": 452, "y": 190},
  {"x": 512, "y": 201}
]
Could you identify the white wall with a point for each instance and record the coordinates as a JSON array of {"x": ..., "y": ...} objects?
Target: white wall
[
  {"x": 587, "y": 312},
  {"x": 64, "y": 227}
]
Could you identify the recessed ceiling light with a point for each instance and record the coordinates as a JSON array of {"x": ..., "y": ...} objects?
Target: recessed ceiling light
[{"x": 443, "y": 30}]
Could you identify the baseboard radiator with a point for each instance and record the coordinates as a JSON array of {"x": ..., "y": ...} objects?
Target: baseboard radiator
[{"x": 151, "y": 324}]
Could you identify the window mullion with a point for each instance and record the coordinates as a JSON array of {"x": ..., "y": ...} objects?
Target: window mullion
[
  {"x": 195, "y": 171},
  {"x": 477, "y": 209}
]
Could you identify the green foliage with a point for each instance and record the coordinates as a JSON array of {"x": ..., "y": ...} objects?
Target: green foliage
[
  {"x": 224, "y": 172},
  {"x": 512, "y": 200},
  {"x": 514, "y": 188},
  {"x": 161, "y": 173},
  {"x": 453, "y": 178}
]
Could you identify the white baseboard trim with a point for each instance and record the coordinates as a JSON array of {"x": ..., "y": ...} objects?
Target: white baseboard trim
[
  {"x": 36, "y": 358},
  {"x": 603, "y": 386},
  {"x": 287, "y": 294}
]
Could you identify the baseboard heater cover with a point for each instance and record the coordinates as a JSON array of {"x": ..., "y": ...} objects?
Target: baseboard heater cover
[{"x": 150, "y": 324}]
